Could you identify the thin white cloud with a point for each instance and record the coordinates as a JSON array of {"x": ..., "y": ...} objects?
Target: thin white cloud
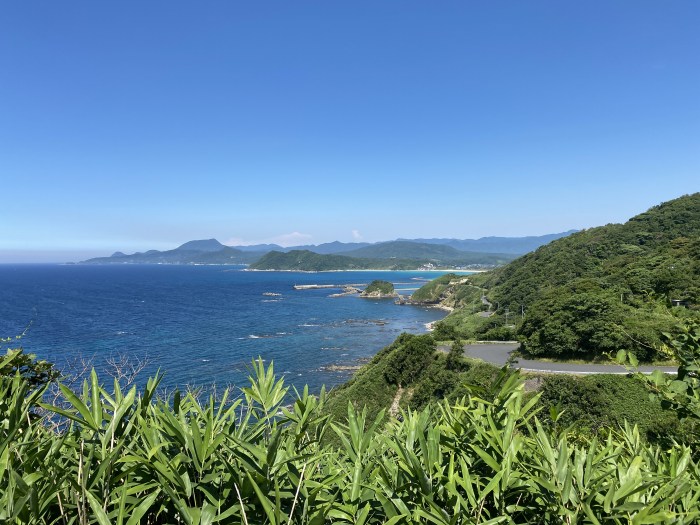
[
  {"x": 292, "y": 239},
  {"x": 285, "y": 239},
  {"x": 356, "y": 235}
]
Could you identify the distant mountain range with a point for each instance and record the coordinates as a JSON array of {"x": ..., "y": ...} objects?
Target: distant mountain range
[
  {"x": 484, "y": 252},
  {"x": 512, "y": 245}
]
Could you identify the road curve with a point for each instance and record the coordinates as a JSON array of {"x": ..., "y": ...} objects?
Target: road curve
[{"x": 498, "y": 353}]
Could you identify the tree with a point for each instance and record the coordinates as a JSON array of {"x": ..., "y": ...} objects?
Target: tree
[
  {"x": 410, "y": 359},
  {"x": 454, "y": 357},
  {"x": 36, "y": 372}
]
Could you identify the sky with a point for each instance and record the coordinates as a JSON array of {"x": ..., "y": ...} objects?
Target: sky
[{"x": 141, "y": 125}]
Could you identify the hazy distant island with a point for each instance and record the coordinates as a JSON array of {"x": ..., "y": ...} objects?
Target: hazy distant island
[
  {"x": 208, "y": 251},
  {"x": 427, "y": 254}
]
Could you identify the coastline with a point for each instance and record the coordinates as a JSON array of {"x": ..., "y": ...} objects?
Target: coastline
[{"x": 357, "y": 270}]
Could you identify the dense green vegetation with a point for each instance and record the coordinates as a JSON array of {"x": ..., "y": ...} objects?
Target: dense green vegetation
[
  {"x": 36, "y": 372},
  {"x": 434, "y": 291},
  {"x": 681, "y": 393},
  {"x": 305, "y": 260},
  {"x": 120, "y": 457},
  {"x": 596, "y": 291},
  {"x": 596, "y": 403},
  {"x": 411, "y": 373},
  {"x": 379, "y": 287}
]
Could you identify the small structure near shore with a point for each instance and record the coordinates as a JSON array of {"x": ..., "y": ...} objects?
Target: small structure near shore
[{"x": 347, "y": 290}]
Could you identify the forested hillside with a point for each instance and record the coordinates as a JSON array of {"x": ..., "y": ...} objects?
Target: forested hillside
[
  {"x": 305, "y": 260},
  {"x": 603, "y": 289}
]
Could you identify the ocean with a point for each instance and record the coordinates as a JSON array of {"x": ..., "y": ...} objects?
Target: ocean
[{"x": 203, "y": 325}]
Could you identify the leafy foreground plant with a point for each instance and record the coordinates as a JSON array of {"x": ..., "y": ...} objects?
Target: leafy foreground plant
[
  {"x": 682, "y": 392},
  {"x": 131, "y": 458}
]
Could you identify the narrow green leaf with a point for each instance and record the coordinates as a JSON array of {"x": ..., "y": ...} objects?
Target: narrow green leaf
[
  {"x": 97, "y": 510},
  {"x": 143, "y": 507}
]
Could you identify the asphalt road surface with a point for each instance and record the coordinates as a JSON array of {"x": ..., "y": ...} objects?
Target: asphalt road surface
[{"x": 497, "y": 353}]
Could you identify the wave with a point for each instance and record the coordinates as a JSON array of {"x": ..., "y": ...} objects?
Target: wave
[{"x": 266, "y": 336}]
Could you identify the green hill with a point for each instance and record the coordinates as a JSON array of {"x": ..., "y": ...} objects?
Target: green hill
[
  {"x": 599, "y": 290},
  {"x": 305, "y": 260}
]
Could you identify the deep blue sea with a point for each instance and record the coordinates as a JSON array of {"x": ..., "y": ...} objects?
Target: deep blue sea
[{"x": 204, "y": 324}]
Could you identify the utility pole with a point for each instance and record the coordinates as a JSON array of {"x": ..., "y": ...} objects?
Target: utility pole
[{"x": 507, "y": 312}]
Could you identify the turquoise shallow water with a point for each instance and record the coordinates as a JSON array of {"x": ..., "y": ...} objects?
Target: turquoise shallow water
[{"x": 204, "y": 324}]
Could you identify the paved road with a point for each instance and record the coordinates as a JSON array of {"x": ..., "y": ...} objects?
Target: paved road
[{"x": 497, "y": 353}]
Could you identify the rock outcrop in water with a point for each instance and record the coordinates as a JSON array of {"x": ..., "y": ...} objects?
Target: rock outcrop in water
[{"x": 379, "y": 289}]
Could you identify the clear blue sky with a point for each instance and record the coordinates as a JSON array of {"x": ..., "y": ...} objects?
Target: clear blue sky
[{"x": 134, "y": 125}]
